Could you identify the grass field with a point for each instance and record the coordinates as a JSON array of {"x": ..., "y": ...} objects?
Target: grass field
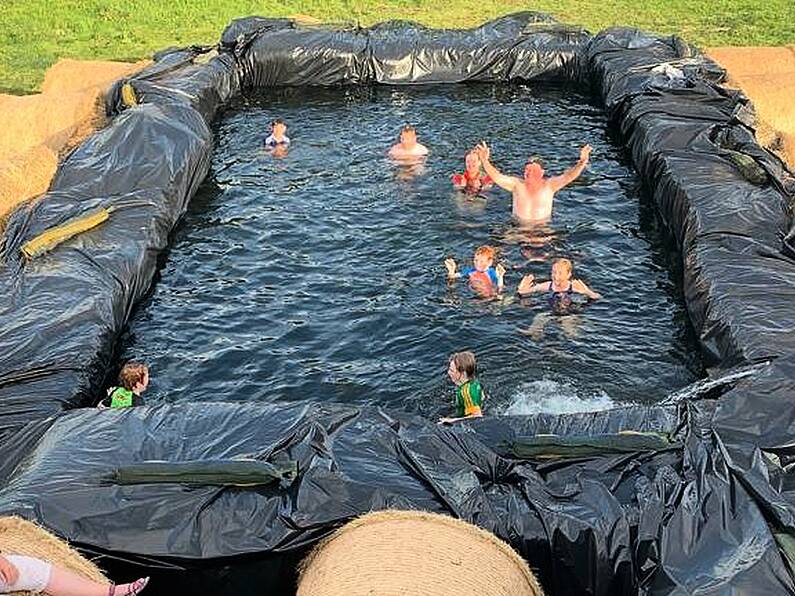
[{"x": 35, "y": 33}]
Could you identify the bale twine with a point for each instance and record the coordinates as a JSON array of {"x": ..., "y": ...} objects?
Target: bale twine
[
  {"x": 20, "y": 537},
  {"x": 411, "y": 553}
]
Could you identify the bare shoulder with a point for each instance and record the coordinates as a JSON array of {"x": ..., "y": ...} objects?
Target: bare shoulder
[{"x": 578, "y": 284}]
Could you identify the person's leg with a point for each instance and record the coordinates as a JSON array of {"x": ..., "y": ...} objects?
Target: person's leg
[
  {"x": 536, "y": 329},
  {"x": 66, "y": 583},
  {"x": 570, "y": 325}
]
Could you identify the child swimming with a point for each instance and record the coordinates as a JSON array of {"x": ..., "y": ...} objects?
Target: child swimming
[
  {"x": 483, "y": 277},
  {"x": 408, "y": 149},
  {"x": 533, "y": 193},
  {"x": 469, "y": 396},
  {"x": 278, "y": 134},
  {"x": 278, "y": 137},
  {"x": 560, "y": 288},
  {"x": 471, "y": 180},
  {"x": 133, "y": 381}
]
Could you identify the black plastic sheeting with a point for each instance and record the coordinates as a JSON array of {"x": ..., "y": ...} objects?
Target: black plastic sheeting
[{"x": 711, "y": 516}]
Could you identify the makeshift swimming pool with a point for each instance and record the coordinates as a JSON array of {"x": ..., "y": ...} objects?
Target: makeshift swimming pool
[
  {"x": 694, "y": 498},
  {"x": 319, "y": 277}
]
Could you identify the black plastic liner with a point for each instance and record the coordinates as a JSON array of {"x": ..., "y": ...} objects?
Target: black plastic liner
[{"x": 715, "y": 514}]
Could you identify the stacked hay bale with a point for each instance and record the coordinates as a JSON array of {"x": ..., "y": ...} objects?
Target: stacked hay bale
[
  {"x": 20, "y": 537},
  {"x": 767, "y": 76},
  {"x": 410, "y": 553},
  {"x": 39, "y": 129}
]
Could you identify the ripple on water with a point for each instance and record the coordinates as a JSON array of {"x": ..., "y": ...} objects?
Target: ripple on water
[{"x": 319, "y": 276}]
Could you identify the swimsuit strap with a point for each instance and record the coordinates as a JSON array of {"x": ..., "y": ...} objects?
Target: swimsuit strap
[{"x": 569, "y": 290}]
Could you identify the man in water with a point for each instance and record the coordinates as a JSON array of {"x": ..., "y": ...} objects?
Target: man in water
[
  {"x": 408, "y": 149},
  {"x": 533, "y": 194}
]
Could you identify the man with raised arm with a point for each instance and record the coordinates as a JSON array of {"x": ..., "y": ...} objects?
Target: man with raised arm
[{"x": 533, "y": 194}]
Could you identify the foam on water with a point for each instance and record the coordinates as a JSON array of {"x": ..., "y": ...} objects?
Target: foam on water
[{"x": 550, "y": 396}]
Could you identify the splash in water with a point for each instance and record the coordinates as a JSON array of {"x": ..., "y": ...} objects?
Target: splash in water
[{"x": 548, "y": 396}]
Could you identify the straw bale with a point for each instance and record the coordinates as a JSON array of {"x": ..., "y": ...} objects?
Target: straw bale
[
  {"x": 25, "y": 176},
  {"x": 411, "y": 553},
  {"x": 767, "y": 77},
  {"x": 20, "y": 537},
  {"x": 68, "y": 76},
  {"x": 38, "y": 127}
]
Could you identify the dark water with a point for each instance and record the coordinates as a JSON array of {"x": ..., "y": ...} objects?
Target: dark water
[{"x": 319, "y": 276}]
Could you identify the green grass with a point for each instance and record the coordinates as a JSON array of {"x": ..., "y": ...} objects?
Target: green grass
[{"x": 35, "y": 33}]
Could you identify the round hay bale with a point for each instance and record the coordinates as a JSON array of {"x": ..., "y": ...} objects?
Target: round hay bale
[
  {"x": 411, "y": 553},
  {"x": 21, "y": 537}
]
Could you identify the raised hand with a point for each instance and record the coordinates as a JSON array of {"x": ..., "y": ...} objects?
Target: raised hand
[
  {"x": 450, "y": 265},
  {"x": 500, "y": 270},
  {"x": 483, "y": 151},
  {"x": 527, "y": 282},
  {"x": 585, "y": 153}
]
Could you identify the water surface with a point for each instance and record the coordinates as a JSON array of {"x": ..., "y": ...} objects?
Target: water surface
[{"x": 319, "y": 276}]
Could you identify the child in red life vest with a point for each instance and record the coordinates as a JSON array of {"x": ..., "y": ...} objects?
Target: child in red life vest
[
  {"x": 484, "y": 278},
  {"x": 472, "y": 180}
]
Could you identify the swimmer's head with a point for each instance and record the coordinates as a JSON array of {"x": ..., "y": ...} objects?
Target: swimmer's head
[
  {"x": 278, "y": 128},
  {"x": 462, "y": 367},
  {"x": 561, "y": 271},
  {"x": 134, "y": 377},
  {"x": 484, "y": 257},
  {"x": 408, "y": 136},
  {"x": 534, "y": 170},
  {"x": 472, "y": 162}
]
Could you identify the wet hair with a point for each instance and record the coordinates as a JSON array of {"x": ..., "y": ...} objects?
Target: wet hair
[
  {"x": 565, "y": 262},
  {"x": 486, "y": 251},
  {"x": 132, "y": 374},
  {"x": 535, "y": 159},
  {"x": 465, "y": 363},
  {"x": 408, "y": 128},
  {"x": 276, "y": 121}
]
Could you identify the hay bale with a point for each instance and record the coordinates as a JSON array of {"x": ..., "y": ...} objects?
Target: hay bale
[
  {"x": 411, "y": 553},
  {"x": 38, "y": 127},
  {"x": 21, "y": 537},
  {"x": 25, "y": 176},
  {"x": 743, "y": 61},
  {"x": 68, "y": 76},
  {"x": 767, "y": 76}
]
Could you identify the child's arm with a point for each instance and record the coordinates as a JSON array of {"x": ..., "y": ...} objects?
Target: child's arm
[
  {"x": 452, "y": 420},
  {"x": 572, "y": 173},
  {"x": 8, "y": 573},
  {"x": 579, "y": 286},
  {"x": 505, "y": 182},
  {"x": 451, "y": 269},
  {"x": 500, "y": 271},
  {"x": 528, "y": 285}
]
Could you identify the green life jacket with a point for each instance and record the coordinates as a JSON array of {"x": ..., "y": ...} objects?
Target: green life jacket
[
  {"x": 121, "y": 398},
  {"x": 468, "y": 399}
]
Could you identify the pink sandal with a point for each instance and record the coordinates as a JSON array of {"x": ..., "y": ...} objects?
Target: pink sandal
[{"x": 134, "y": 588}]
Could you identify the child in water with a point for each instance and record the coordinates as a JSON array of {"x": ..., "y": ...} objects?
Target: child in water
[
  {"x": 28, "y": 574},
  {"x": 471, "y": 180},
  {"x": 462, "y": 371},
  {"x": 483, "y": 277},
  {"x": 408, "y": 149},
  {"x": 133, "y": 381},
  {"x": 560, "y": 289},
  {"x": 278, "y": 136}
]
